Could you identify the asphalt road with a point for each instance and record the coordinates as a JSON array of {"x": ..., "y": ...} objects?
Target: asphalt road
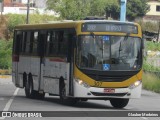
[{"x": 13, "y": 99}]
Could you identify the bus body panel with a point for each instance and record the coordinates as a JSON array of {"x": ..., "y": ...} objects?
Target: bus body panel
[
  {"x": 80, "y": 75},
  {"x": 94, "y": 92},
  {"x": 30, "y": 65},
  {"x": 15, "y": 74},
  {"x": 52, "y": 72}
]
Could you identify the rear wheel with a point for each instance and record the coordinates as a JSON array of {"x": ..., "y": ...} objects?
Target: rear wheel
[
  {"x": 84, "y": 99},
  {"x": 119, "y": 103},
  {"x": 30, "y": 93},
  {"x": 39, "y": 95},
  {"x": 64, "y": 99}
]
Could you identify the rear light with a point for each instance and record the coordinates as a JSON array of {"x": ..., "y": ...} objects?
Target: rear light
[{"x": 15, "y": 58}]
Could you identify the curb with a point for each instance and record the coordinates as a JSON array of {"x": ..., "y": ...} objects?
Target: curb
[{"x": 5, "y": 76}]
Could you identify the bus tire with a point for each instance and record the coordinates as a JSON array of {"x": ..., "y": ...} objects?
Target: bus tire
[
  {"x": 39, "y": 96},
  {"x": 64, "y": 99},
  {"x": 84, "y": 99},
  {"x": 30, "y": 93},
  {"x": 119, "y": 102}
]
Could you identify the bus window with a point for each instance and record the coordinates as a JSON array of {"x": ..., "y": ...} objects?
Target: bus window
[
  {"x": 34, "y": 42},
  {"x": 28, "y": 43},
  {"x": 17, "y": 42},
  {"x": 52, "y": 45},
  {"x": 23, "y": 48},
  {"x": 42, "y": 37},
  {"x": 63, "y": 38},
  {"x": 57, "y": 43}
]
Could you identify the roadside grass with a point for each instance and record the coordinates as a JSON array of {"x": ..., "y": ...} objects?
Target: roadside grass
[
  {"x": 152, "y": 46},
  {"x": 5, "y": 71},
  {"x": 151, "y": 82}
]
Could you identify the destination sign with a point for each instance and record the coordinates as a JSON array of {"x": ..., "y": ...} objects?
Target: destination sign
[{"x": 109, "y": 27}]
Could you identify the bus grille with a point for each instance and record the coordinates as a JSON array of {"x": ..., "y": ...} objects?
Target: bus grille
[
  {"x": 108, "y": 94},
  {"x": 107, "y": 78}
]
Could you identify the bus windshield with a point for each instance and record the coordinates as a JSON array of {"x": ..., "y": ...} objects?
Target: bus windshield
[{"x": 105, "y": 53}]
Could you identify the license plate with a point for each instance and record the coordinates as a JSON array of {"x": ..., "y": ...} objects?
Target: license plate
[{"x": 109, "y": 90}]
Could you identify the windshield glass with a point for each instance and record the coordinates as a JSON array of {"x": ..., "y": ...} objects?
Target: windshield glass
[{"x": 109, "y": 52}]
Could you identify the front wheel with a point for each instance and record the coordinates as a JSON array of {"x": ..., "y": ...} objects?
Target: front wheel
[
  {"x": 64, "y": 99},
  {"x": 119, "y": 102}
]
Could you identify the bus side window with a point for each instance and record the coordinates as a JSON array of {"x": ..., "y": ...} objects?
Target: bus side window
[
  {"x": 34, "y": 42},
  {"x": 24, "y": 42},
  {"x": 17, "y": 42},
  {"x": 51, "y": 43},
  {"x": 62, "y": 43},
  {"x": 49, "y": 35},
  {"x": 42, "y": 42},
  {"x": 28, "y": 43}
]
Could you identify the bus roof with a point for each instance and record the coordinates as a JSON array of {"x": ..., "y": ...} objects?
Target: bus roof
[{"x": 64, "y": 24}]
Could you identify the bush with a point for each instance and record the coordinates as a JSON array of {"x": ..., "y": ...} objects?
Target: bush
[
  {"x": 152, "y": 46},
  {"x": 148, "y": 26},
  {"x": 149, "y": 67},
  {"x": 17, "y": 19},
  {"x": 151, "y": 82},
  {"x": 5, "y": 54}
]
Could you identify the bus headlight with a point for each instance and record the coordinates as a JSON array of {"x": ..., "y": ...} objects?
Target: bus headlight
[
  {"x": 135, "y": 84},
  {"x": 81, "y": 82}
]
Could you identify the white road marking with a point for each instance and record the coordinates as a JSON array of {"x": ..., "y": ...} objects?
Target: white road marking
[
  {"x": 11, "y": 100},
  {"x": 8, "y": 105}
]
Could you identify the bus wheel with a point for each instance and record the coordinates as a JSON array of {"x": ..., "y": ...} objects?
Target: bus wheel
[
  {"x": 119, "y": 102},
  {"x": 64, "y": 99},
  {"x": 39, "y": 95},
  {"x": 30, "y": 93},
  {"x": 84, "y": 99}
]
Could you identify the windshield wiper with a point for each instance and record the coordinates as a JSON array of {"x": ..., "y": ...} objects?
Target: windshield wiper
[
  {"x": 120, "y": 49},
  {"x": 92, "y": 34},
  {"x": 126, "y": 36},
  {"x": 125, "y": 39}
]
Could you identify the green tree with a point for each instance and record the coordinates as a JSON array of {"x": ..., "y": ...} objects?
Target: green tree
[
  {"x": 70, "y": 9},
  {"x": 136, "y": 8},
  {"x": 98, "y": 7},
  {"x": 78, "y": 9},
  {"x": 12, "y": 21},
  {"x": 113, "y": 9}
]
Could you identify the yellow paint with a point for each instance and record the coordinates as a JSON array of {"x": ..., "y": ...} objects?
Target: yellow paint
[
  {"x": 74, "y": 24},
  {"x": 78, "y": 74},
  {"x": 4, "y": 76}
]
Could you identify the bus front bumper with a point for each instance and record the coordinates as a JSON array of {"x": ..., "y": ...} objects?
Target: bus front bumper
[{"x": 84, "y": 91}]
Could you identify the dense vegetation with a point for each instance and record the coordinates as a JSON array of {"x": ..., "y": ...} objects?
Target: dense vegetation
[
  {"x": 79, "y": 9},
  {"x": 7, "y": 24},
  {"x": 9, "y": 21},
  {"x": 151, "y": 82},
  {"x": 5, "y": 54},
  {"x": 152, "y": 46}
]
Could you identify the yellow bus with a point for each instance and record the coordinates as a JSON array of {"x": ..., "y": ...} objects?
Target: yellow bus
[{"x": 79, "y": 60}]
